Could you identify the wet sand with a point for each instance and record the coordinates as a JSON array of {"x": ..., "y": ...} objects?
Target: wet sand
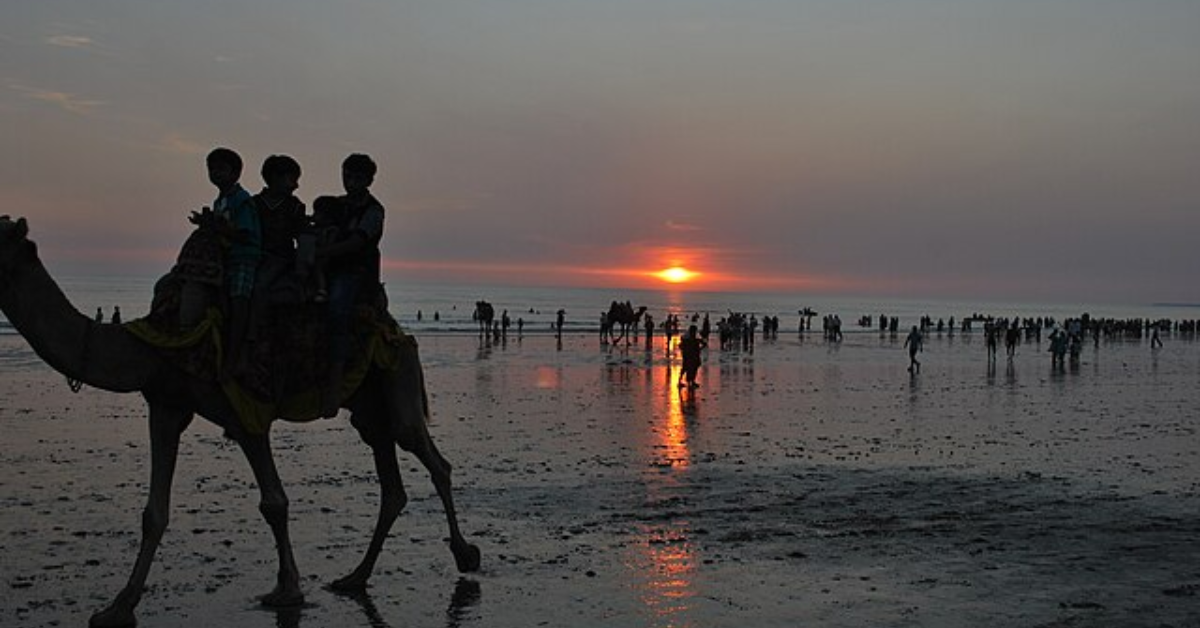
[{"x": 803, "y": 484}]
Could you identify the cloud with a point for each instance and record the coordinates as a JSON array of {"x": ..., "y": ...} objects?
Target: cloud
[
  {"x": 174, "y": 142},
  {"x": 70, "y": 41},
  {"x": 681, "y": 226},
  {"x": 63, "y": 100}
]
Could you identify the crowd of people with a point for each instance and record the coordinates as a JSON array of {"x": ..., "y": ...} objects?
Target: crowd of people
[{"x": 738, "y": 330}]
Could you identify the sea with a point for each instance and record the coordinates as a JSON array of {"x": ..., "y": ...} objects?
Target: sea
[{"x": 423, "y": 308}]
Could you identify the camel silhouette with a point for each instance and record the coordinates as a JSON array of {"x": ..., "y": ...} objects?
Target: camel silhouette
[
  {"x": 390, "y": 408},
  {"x": 622, "y": 316}
]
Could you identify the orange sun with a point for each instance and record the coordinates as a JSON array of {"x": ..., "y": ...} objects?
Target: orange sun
[{"x": 676, "y": 274}]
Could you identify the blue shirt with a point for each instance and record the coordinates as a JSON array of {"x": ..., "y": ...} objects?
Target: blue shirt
[{"x": 238, "y": 208}]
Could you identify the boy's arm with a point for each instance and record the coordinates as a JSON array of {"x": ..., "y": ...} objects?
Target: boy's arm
[
  {"x": 370, "y": 225},
  {"x": 352, "y": 244},
  {"x": 246, "y": 222}
]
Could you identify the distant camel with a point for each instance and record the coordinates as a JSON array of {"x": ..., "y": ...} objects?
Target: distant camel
[
  {"x": 389, "y": 408},
  {"x": 484, "y": 314},
  {"x": 623, "y": 316}
]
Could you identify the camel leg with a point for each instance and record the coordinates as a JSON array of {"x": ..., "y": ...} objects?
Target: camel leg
[
  {"x": 406, "y": 405},
  {"x": 166, "y": 424},
  {"x": 393, "y": 501},
  {"x": 466, "y": 555},
  {"x": 274, "y": 508}
]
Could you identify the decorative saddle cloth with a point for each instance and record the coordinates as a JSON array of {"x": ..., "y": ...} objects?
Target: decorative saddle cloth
[{"x": 285, "y": 369}]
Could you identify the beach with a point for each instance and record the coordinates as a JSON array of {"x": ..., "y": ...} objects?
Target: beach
[{"x": 804, "y": 483}]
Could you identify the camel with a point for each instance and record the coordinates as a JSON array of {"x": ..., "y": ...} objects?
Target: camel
[
  {"x": 390, "y": 408},
  {"x": 623, "y": 315},
  {"x": 484, "y": 315}
]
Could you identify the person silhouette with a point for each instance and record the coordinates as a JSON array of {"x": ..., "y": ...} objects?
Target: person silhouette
[
  {"x": 116, "y": 317},
  {"x": 281, "y": 219},
  {"x": 689, "y": 351},
  {"x": 915, "y": 343},
  {"x": 235, "y": 208},
  {"x": 353, "y": 267}
]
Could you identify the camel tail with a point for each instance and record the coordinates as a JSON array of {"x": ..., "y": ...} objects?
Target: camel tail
[
  {"x": 425, "y": 412},
  {"x": 425, "y": 402}
]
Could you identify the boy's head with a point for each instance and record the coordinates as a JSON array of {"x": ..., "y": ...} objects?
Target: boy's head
[
  {"x": 224, "y": 167},
  {"x": 281, "y": 171},
  {"x": 358, "y": 173}
]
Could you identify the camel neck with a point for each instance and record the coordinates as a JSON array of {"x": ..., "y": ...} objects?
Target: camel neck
[{"x": 99, "y": 355}]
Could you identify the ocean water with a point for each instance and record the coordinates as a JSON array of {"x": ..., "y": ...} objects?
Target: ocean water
[{"x": 416, "y": 305}]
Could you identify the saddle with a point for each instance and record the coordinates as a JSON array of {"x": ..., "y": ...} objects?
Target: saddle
[{"x": 287, "y": 366}]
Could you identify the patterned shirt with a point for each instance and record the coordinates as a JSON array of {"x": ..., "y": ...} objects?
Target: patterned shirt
[{"x": 238, "y": 208}]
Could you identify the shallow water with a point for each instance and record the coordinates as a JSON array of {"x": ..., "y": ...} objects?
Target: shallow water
[
  {"x": 802, "y": 484},
  {"x": 416, "y": 305}
]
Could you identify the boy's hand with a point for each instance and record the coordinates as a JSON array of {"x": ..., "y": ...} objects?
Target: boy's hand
[{"x": 198, "y": 218}]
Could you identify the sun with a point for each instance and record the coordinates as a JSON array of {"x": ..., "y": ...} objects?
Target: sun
[{"x": 676, "y": 274}]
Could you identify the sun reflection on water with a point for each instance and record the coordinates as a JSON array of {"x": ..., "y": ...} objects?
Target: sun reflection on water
[
  {"x": 673, "y": 436},
  {"x": 663, "y": 561},
  {"x": 667, "y": 571}
]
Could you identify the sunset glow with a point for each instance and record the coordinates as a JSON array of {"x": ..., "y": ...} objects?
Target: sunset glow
[{"x": 676, "y": 274}]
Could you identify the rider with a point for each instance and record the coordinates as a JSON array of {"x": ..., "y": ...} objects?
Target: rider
[
  {"x": 236, "y": 208},
  {"x": 352, "y": 263},
  {"x": 281, "y": 216}
]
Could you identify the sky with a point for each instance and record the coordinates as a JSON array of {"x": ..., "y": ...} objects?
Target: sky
[{"x": 1008, "y": 149}]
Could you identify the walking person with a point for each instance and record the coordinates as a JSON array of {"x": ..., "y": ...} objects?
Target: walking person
[
  {"x": 689, "y": 351},
  {"x": 915, "y": 344},
  {"x": 1011, "y": 337}
]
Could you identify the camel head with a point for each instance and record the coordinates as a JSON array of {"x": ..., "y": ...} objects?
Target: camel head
[{"x": 13, "y": 244}]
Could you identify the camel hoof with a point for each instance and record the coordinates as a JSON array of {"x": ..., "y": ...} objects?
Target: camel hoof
[
  {"x": 113, "y": 617},
  {"x": 467, "y": 558},
  {"x": 282, "y": 598},
  {"x": 348, "y": 584}
]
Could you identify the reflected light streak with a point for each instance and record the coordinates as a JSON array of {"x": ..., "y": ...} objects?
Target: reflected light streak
[
  {"x": 670, "y": 569},
  {"x": 546, "y": 378},
  {"x": 673, "y": 432},
  {"x": 665, "y": 562}
]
